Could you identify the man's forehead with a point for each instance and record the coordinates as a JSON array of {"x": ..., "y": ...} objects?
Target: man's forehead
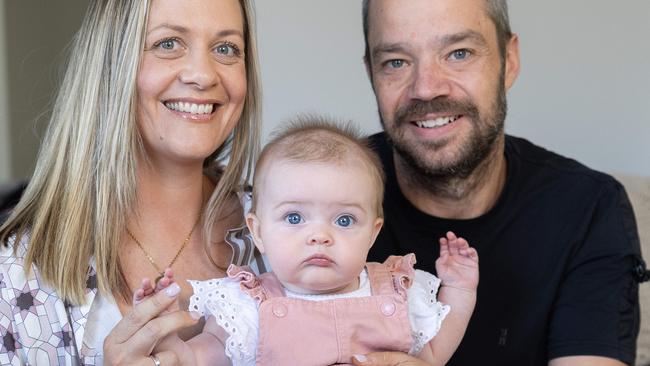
[
  {"x": 434, "y": 22},
  {"x": 433, "y": 15}
]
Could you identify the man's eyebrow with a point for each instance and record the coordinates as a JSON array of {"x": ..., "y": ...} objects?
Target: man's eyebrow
[
  {"x": 443, "y": 41},
  {"x": 468, "y": 35},
  {"x": 386, "y": 48}
]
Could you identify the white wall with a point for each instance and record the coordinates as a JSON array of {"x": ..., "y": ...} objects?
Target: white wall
[
  {"x": 584, "y": 89},
  {"x": 5, "y": 167}
]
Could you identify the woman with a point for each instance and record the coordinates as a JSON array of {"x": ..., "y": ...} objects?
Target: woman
[{"x": 157, "y": 94}]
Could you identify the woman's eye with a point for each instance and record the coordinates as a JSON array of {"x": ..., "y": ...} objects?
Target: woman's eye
[
  {"x": 227, "y": 49},
  {"x": 166, "y": 44},
  {"x": 293, "y": 218},
  {"x": 344, "y": 220},
  {"x": 459, "y": 54}
]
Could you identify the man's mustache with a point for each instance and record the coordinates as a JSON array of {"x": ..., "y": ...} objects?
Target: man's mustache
[{"x": 417, "y": 109}]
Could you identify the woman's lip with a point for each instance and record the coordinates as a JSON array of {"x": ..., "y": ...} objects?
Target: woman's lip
[
  {"x": 192, "y": 110},
  {"x": 194, "y": 100},
  {"x": 319, "y": 260}
]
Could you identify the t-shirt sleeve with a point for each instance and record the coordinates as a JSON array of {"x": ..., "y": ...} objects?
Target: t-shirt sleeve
[
  {"x": 234, "y": 311},
  {"x": 597, "y": 309},
  {"x": 426, "y": 313}
]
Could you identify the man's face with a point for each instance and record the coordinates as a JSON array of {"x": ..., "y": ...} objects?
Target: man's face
[{"x": 440, "y": 81}]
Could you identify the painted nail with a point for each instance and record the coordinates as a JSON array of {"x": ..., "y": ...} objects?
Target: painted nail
[
  {"x": 173, "y": 290},
  {"x": 195, "y": 315},
  {"x": 360, "y": 358}
]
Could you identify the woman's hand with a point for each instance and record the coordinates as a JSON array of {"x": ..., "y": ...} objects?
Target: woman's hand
[
  {"x": 136, "y": 335},
  {"x": 387, "y": 359}
]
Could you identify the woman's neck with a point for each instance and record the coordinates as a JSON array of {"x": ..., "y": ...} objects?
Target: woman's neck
[{"x": 169, "y": 196}]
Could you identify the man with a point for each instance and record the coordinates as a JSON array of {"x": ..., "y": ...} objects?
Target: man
[{"x": 557, "y": 241}]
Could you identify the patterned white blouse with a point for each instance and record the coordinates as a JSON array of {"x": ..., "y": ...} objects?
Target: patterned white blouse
[{"x": 38, "y": 328}]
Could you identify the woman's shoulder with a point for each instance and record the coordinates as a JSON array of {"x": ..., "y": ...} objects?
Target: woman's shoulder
[
  {"x": 13, "y": 272},
  {"x": 12, "y": 253}
]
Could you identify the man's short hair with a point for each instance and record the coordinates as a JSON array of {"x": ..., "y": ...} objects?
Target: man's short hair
[{"x": 497, "y": 11}]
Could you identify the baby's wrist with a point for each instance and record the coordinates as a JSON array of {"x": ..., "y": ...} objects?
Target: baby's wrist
[{"x": 464, "y": 289}]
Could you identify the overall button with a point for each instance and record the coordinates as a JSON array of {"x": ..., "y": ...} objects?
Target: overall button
[
  {"x": 388, "y": 308},
  {"x": 279, "y": 310}
]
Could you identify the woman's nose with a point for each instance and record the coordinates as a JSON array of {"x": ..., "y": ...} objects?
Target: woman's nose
[{"x": 200, "y": 70}]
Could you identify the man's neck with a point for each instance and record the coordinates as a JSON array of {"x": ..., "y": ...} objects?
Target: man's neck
[{"x": 457, "y": 198}]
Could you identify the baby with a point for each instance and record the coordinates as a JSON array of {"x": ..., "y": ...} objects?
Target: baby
[{"x": 317, "y": 209}]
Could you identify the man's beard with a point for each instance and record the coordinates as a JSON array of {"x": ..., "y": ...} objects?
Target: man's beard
[{"x": 439, "y": 177}]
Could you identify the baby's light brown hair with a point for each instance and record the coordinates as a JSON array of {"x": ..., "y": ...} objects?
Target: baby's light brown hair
[{"x": 318, "y": 139}]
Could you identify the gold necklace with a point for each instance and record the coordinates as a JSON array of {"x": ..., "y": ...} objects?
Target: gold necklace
[{"x": 153, "y": 263}]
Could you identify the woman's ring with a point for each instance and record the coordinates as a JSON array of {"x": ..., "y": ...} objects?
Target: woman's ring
[{"x": 156, "y": 361}]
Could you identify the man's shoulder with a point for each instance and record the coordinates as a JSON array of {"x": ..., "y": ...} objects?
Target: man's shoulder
[
  {"x": 380, "y": 144},
  {"x": 543, "y": 165}
]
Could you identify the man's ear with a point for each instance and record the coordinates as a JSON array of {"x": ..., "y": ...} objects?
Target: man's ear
[
  {"x": 512, "y": 61},
  {"x": 368, "y": 66},
  {"x": 253, "y": 223}
]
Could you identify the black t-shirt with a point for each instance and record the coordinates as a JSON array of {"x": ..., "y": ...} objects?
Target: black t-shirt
[{"x": 556, "y": 253}]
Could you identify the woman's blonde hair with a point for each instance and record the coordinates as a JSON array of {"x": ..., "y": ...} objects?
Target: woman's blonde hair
[{"x": 84, "y": 184}]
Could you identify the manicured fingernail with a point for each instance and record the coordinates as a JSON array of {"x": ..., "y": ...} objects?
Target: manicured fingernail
[
  {"x": 360, "y": 358},
  {"x": 195, "y": 315},
  {"x": 173, "y": 290}
]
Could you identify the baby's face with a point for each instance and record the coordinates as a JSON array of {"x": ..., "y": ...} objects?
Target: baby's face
[{"x": 316, "y": 222}]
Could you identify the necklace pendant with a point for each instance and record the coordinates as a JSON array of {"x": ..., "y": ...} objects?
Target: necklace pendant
[{"x": 162, "y": 274}]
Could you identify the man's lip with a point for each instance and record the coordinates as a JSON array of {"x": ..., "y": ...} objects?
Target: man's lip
[
  {"x": 320, "y": 260},
  {"x": 433, "y": 116}
]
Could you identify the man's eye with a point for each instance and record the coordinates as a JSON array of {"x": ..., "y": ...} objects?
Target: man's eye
[
  {"x": 396, "y": 64},
  {"x": 459, "y": 54},
  {"x": 344, "y": 220},
  {"x": 293, "y": 218}
]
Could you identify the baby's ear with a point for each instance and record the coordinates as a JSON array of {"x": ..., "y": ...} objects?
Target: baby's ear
[
  {"x": 253, "y": 223},
  {"x": 376, "y": 228}
]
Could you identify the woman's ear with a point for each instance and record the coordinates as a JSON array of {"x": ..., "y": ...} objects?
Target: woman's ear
[{"x": 253, "y": 223}]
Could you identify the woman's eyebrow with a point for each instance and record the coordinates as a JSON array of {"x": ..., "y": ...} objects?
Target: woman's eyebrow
[{"x": 183, "y": 30}]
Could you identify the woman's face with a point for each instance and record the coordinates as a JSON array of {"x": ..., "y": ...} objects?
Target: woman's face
[{"x": 192, "y": 79}]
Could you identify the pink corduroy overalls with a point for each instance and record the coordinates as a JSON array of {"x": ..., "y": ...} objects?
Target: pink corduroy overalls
[{"x": 302, "y": 332}]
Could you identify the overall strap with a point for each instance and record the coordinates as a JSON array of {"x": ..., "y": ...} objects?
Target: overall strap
[
  {"x": 381, "y": 280},
  {"x": 394, "y": 276},
  {"x": 271, "y": 285}
]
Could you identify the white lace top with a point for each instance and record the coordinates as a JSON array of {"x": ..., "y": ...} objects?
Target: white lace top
[{"x": 236, "y": 312}]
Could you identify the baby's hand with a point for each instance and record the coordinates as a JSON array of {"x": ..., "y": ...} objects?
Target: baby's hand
[
  {"x": 457, "y": 265},
  {"x": 147, "y": 289}
]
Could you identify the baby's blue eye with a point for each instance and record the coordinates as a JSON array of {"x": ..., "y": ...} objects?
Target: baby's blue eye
[
  {"x": 344, "y": 220},
  {"x": 293, "y": 218}
]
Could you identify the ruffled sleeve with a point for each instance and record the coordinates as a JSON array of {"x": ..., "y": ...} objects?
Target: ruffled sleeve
[
  {"x": 234, "y": 311},
  {"x": 426, "y": 313}
]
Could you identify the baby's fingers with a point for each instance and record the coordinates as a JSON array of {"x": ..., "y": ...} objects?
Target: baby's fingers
[
  {"x": 144, "y": 291},
  {"x": 166, "y": 280},
  {"x": 469, "y": 253},
  {"x": 444, "y": 247}
]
